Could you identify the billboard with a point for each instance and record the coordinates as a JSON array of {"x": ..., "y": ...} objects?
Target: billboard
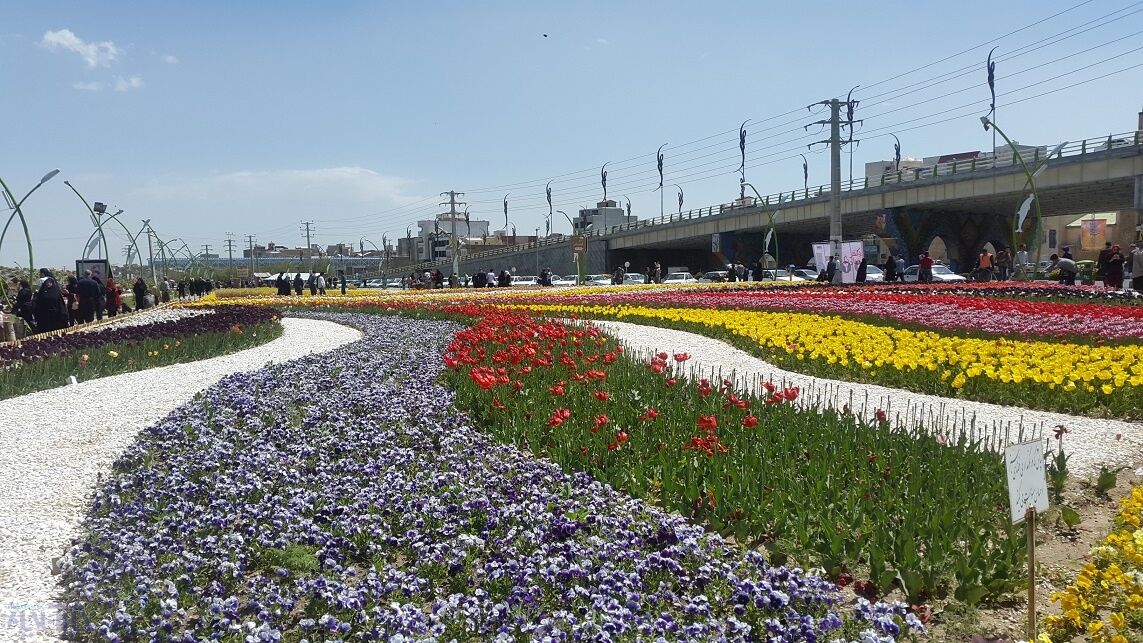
[{"x": 98, "y": 267}]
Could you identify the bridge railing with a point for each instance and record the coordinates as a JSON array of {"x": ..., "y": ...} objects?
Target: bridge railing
[{"x": 1031, "y": 155}]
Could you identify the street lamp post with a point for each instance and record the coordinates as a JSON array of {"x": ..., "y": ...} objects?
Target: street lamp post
[
  {"x": 772, "y": 233},
  {"x": 1031, "y": 175},
  {"x": 579, "y": 260},
  {"x": 18, "y": 212},
  {"x": 362, "y": 241}
]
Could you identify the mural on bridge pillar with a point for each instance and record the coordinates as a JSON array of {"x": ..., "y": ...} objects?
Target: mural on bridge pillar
[
  {"x": 954, "y": 237},
  {"x": 737, "y": 247}
]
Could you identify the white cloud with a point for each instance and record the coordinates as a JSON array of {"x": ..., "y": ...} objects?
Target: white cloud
[
  {"x": 96, "y": 54},
  {"x": 88, "y": 87},
  {"x": 127, "y": 84},
  {"x": 345, "y": 201},
  {"x": 602, "y": 41},
  {"x": 170, "y": 60},
  {"x": 354, "y": 188}
]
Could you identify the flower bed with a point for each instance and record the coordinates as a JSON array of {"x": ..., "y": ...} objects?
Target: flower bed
[
  {"x": 912, "y": 512},
  {"x": 272, "y": 510},
  {"x": 1079, "y": 358},
  {"x": 41, "y": 363},
  {"x": 943, "y": 312},
  {"x": 1069, "y": 377},
  {"x": 1105, "y": 602}
]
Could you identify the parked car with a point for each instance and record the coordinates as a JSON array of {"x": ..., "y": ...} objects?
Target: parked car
[
  {"x": 680, "y": 278},
  {"x": 809, "y": 274},
  {"x": 713, "y": 276},
  {"x": 563, "y": 281},
  {"x": 599, "y": 280},
  {"x": 780, "y": 275},
  {"x": 525, "y": 280},
  {"x": 873, "y": 273},
  {"x": 634, "y": 279},
  {"x": 940, "y": 273}
]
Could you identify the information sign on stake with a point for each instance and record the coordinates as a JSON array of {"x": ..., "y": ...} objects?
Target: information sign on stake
[
  {"x": 1027, "y": 481},
  {"x": 1027, "y": 495}
]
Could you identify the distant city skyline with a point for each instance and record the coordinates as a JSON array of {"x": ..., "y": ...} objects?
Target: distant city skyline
[{"x": 213, "y": 118}]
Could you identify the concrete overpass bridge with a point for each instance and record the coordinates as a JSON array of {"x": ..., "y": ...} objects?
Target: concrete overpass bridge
[{"x": 965, "y": 203}]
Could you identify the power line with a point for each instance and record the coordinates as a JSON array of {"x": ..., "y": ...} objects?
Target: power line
[
  {"x": 576, "y": 193},
  {"x": 537, "y": 182}
]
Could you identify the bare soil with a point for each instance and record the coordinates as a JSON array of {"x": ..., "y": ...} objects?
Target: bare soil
[{"x": 1060, "y": 552}]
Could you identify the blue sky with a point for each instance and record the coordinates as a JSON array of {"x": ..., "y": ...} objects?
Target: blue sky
[{"x": 215, "y": 117}]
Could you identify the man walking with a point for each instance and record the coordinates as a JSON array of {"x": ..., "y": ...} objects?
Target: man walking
[{"x": 89, "y": 291}]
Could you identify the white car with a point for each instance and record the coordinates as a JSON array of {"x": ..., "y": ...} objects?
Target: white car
[
  {"x": 680, "y": 278},
  {"x": 713, "y": 277},
  {"x": 525, "y": 280},
  {"x": 634, "y": 279},
  {"x": 563, "y": 281},
  {"x": 940, "y": 273},
  {"x": 874, "y": 274},
  {"x": 808, "y": 274},
  {"x": 781, "y": 275},
  {"x": 598, "y": 280}
]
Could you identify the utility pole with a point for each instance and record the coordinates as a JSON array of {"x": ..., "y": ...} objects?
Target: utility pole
[
  {"x": 206, "y": 254},
  {"x": 452, "y": 203},
  {"x": 150, "y": 252},
  {"x": 127, "y": 265},
  {"x": 230, "y": 253},
  {"x": 250, "y": 242},
  {"x": 309, "y": 248},
  {"x": 835, "y": 142}
]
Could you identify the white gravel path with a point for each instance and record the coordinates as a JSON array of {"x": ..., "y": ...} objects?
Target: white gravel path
[
  {"x": 1091, "y": 442},
  {"x": 54, "y": 444}
]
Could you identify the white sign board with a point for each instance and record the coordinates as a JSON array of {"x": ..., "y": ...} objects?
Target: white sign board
[
  {"x": 821, "y": 256},
  {"x": 852, "y": 252},
  {"x": 1027, "y": 481}
]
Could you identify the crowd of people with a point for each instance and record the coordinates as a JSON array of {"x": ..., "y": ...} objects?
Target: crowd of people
[
  {"x": 316, "y": 283},
  {"x": 52, "y": 304}
]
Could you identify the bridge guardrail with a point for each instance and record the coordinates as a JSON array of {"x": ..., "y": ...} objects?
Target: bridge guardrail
[{"x": 1031, "y": 156}]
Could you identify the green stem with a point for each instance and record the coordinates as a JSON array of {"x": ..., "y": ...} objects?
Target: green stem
[
  {"x": 1035, "y": 197},
  {"x": 95, "y": 220},
  {"x": 24, "y": 224}
]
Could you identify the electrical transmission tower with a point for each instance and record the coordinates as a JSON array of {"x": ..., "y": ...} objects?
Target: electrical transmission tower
[
  {"x": 230, "y": 253},
  {"x": 835, "y": 142},
  {"x": 309, "y": 230},
  {"x": 452, "y": 203},
  {"x": 250, "y": 242}
]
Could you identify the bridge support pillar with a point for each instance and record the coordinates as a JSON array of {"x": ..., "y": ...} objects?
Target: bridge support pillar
[{"x": 1138, "y": 235}]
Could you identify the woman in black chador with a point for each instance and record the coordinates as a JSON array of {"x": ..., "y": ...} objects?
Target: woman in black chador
[{"x": 49, "y": 308}]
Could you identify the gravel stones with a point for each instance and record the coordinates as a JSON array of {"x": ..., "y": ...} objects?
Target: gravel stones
[
  {"x": 1091, "y": 441},
  {"x": 55, "y": 445}
]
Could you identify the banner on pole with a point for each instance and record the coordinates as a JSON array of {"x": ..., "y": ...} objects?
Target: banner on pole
[
  {"x": 852, "y": 252},
  {"x": 821, "y": 256},
  {"x": 1093, "y": 234}
]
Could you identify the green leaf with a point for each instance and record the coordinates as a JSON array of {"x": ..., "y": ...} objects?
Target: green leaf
[
  {"x": 970, "y": 594},
  {"x": 1070, "y": 516}
]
